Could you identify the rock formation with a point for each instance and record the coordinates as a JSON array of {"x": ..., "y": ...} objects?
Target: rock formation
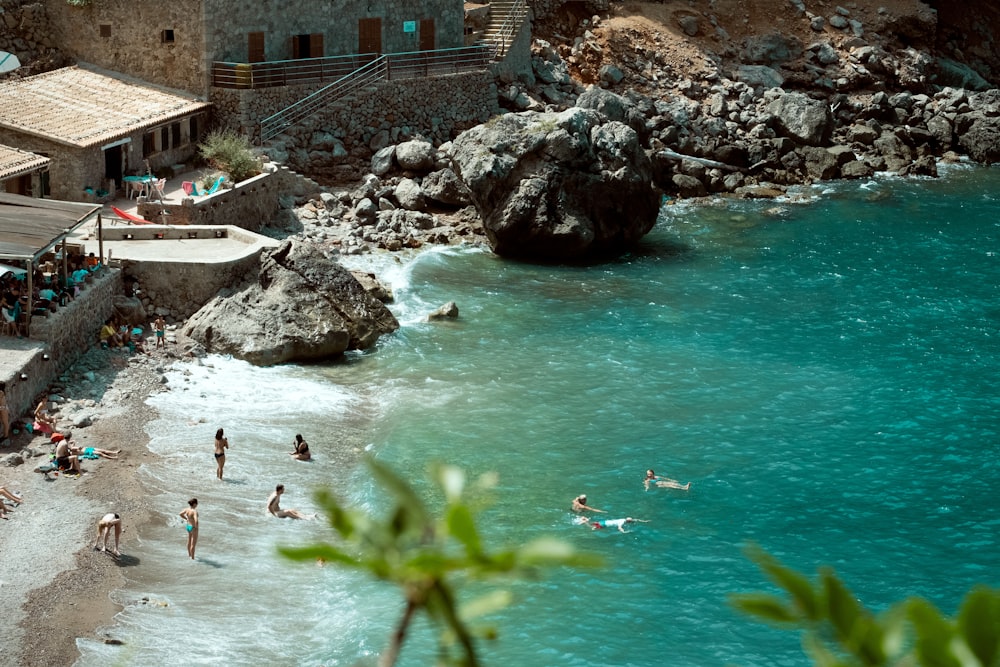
[
  {"x": 557, "y": 186},
  {"x": 301, "y": 307}
]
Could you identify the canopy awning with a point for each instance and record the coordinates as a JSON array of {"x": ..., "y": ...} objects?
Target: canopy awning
[
  {"x": 5, "y": 269},
  {"x": 29, "y": 227}
]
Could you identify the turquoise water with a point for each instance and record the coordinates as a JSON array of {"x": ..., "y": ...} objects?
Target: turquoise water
[{"x": 822, "y": 370}]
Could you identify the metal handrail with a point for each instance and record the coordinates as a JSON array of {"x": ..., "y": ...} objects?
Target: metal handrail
[
  {"x": 392, "y": 66},
  {"x": 286, "y": 72},
  {"x": 509, "y": 28}
]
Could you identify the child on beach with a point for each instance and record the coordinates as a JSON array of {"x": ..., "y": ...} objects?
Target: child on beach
[
  {"x": 159, "y": 327},
  {"x": 190, "y": 515}
]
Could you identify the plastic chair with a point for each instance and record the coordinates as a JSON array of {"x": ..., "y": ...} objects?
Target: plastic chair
[
  {"x": 215, "y": 186},
  {"x": 135, "y": 187},
  {"x": 190, "y": 188},
  {"x": 157, "y": 188}
]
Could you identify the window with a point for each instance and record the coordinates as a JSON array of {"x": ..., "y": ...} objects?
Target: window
[
  {"x": 164, "y": 138},
  {"x": 175, "y": 135},
  {"x": 148, "y": 144},
  {"x": 195, "y": 133},
  {"x": 105, "y": 30},
  {"x": 167, "y": 36}
]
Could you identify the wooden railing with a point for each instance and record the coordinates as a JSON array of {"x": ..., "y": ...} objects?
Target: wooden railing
[{"x": 387, "y": 67}]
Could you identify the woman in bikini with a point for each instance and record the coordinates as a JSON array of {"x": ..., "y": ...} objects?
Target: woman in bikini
[
  {"x": 301, "y": 452},
  {"x": 221, "y": 445},
  {"x": 190, "y": 515},
  {"x": 108, "y": 523},
  {"x": 663, "y": 482}
]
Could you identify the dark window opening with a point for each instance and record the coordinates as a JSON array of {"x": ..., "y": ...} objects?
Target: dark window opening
[
  {"x": 175, "y": 135},
  {"x": 167, "y": 36},
  {"x": 195, "y": 132},
  {"x": 164, "y": 138},
  {"x": 105, "y": 30},
  {"x": 148, "y": 144}
]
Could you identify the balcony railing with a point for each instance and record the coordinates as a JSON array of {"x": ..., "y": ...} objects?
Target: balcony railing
[{"x": 329, "y": 69}]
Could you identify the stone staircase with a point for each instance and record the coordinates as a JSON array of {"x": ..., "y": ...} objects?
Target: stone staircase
[{"x": 506, "y": 18}]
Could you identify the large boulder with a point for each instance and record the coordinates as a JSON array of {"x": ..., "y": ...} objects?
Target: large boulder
[
  {"x": 416, "y": 155},
  {"x": 557, "y": 186},
  {"x": 302, "y": 307},
  {"x": 802, "y": 118}
]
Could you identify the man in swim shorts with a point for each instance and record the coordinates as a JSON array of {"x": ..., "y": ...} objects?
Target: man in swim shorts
[
  {"x": 580, "y": 505},
  {"x": 65, "y": 459}
]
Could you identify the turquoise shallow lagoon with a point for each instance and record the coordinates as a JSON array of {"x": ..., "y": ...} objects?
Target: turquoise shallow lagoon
[{"x": 823, "y": 370}]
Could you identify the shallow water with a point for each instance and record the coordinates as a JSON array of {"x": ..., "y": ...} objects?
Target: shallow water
[{"x": 822, "y": 370}]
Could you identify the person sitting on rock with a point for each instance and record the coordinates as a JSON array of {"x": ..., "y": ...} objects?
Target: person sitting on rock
[{"x": 109, "y": 337}]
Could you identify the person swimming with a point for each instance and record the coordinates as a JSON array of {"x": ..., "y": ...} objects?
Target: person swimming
[
  {"x": 663, "y": 482},
  {"x": 579, "y": 504}
]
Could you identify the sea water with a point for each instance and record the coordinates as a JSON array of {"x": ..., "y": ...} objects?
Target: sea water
[{"x": 822, "y": 369}]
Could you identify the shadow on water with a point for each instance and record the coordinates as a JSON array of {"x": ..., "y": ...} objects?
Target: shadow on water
[
  {"x": 234, "y": 482},
  {"x": 211, "y": 563}
]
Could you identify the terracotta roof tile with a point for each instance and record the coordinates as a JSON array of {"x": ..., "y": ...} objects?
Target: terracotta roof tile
[
  {"x": 82, "y": 107},
  {"x": 14, "y": 162}
]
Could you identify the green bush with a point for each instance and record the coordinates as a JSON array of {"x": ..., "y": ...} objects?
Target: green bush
[{"x": 230, "y": 152}]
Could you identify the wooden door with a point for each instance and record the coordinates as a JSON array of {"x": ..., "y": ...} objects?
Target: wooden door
[
  {"x": 427, "y": 35},
  {"x": 255, "y": 47},
  {"x": 370, "y": 35}
]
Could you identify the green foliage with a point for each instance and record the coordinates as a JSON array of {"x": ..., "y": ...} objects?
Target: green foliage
[
  {"x": 230, "y": 152},
  {"x": 425, "y": 554},
  {"x": 838, "y": 631}
]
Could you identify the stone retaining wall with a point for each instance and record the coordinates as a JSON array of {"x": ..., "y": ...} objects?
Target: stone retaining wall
[
  {"x": 177, "y": 289},
  {"x": 64, "y": 335},
  {"x": 250, "y": 204}
]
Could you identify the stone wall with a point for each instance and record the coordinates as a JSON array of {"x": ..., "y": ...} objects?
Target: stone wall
[
  {"x": 64, "y": 336},
  {"x": 26, "y": 32},
  {"x": 250, "y": 204},
  {"x": 159, "y": 42},
  {"x": 242, "y": 110},
  {"x": 176, "y": 289},
  {"x": 228, "y": 22}
]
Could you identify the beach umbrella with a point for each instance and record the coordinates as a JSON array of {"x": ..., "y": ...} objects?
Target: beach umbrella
[{"x": 8, "y": 62}]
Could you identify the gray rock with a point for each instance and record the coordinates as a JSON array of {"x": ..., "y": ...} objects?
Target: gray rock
[
  {"x": 448, "y": 310},
  {"x": 958, "y": 75},
  {"x": 856, "y": 169},
  {"x": 801, "y": 118},
  {"x": 302, "y": 307},
  {"x": 11, "y": 460},
  {"x": 771, "y": 49},
  {"x": 557, "y": 186},
  {"x": 383, "y": 160},
  {"x": 365, "y": 210},
  {"x": 445, "y": 187},
  {"x": 409, "y": 195},
  {"x": 759, "y": 76},
  {"x": 837, "y": 21},
  {"x": 689, "y": 24},
  {"x": 415, "y": 155},
  {"x": 689, "y": 186},
  {"x": 982, "y": 140},
  {"x": 610, "y": 74}
]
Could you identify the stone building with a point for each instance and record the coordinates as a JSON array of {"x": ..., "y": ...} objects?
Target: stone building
[
  {"x": 176, "y": 43},
  {"x": 21, "y": 172},
  {"x": 95, "y": 128}
]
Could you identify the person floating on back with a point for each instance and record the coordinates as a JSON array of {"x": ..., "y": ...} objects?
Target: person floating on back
[{"x": 663, "y": 482}]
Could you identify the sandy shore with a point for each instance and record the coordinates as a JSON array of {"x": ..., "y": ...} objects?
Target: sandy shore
[{"x": 54, "y": 586}]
